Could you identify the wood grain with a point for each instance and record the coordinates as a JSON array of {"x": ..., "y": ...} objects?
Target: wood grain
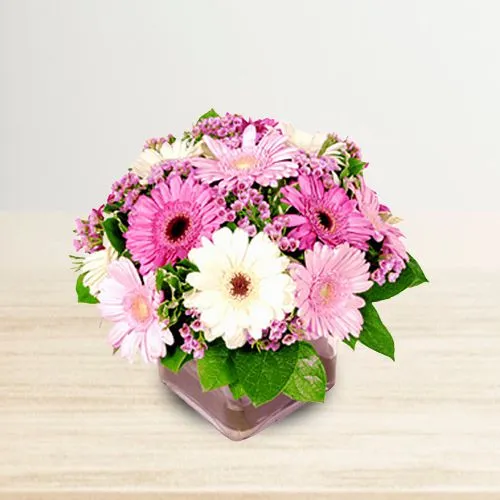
[{"x": 77, "y": 423}]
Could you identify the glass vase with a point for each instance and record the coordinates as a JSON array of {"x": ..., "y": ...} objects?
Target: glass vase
[{"x": 239, "y": 419}]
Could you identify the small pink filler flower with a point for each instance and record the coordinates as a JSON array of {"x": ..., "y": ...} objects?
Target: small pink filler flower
[
  {"x": 166, "y": 225},
  {"x": 131, "y": 306},
  {"x": 328, "y": 215},
  {"x": 326, "y": 289},
  {"x": 264, "y": 163}
]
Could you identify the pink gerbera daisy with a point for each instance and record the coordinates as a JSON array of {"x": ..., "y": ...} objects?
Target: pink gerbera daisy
[
  {"x": 325, "y": 214},
  {"x": 326, "y": 289},
  {"x": 264, "y": 163},
  {"x": 166, "y": 225},
  {"x": 379, "y": 216},
  {"x": 132, "y": 307}
]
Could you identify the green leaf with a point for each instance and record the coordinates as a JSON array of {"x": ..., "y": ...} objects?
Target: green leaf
[
  {"x": 419, "y": 276},
  {"x": 211, "y": 113},
  {"x": 175, "y": 359},
  {"x": 170, "y": 312},
  {"x": 356, "y": 166},
  {"x": 114, "y": 234},
  {"x": 160, "y": 278},
  {"x": 351, "y": 342},
  {"x": 374, "y": 333},
  {"x": 173, "y": 281},
  {"x": 83, "y": 292},
  {"x": 112, "y": 207},
  {"x": 412, "y": 275},
  {"x": 264, "y": 374},
  {"x": 237, "y": 390},
  {"x": 216, "y": 368},
  {"x": 308, "y": 380}
]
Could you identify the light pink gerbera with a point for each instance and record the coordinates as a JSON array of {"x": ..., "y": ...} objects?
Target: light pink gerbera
[
  {"x": 167, "y": 224},
  {"x": 326, "y": 289},
  {"x": 132, "y": 307},
  {"x": 378, "y": 216},
  {"x": 325, "y": 214},
  {"x": 264, "y": 163}
]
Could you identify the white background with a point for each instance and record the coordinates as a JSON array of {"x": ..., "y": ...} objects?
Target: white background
[{"x": 415, "y": 83}]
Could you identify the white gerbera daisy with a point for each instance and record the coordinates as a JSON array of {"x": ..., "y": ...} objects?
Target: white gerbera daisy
[
  {"x": 95, "y": 267},
  {"x": 310, "y": 143},
  {"x": 150, "y": 157},
  {"x": 241, "y": 287}
]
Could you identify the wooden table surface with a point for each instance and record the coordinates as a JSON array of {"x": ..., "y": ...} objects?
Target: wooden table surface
[{"x": 77, "y": 423}]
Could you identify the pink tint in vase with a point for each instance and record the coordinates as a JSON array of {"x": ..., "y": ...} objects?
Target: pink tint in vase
[{"x": 239, "y": 419}]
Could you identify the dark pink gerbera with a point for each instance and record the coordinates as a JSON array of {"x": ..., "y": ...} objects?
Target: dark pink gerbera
[
  {"x": 167, "y": 224},
  {"x": 328, "y": 215}
]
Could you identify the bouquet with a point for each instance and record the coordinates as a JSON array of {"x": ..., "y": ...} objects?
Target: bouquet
[{"x": 238, "y": 245}]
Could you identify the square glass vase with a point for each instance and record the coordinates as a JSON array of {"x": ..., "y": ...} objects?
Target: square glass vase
[{"x": 239, "y": 419}]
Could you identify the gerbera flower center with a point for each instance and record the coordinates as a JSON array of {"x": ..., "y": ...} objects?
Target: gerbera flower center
[
  {"x": 140, "y": 309},
  {"x": 245, "y": 162},
  {"x": 240, "y": 286},
  {"x": 177, "y": 227},
  {"x": 326, "y": 292},
  {"x": 323, "y": 292},
  {"x": 326, "y": 221}
]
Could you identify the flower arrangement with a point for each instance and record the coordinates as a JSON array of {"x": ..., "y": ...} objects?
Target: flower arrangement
[{"x": 237, "y": 245}]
